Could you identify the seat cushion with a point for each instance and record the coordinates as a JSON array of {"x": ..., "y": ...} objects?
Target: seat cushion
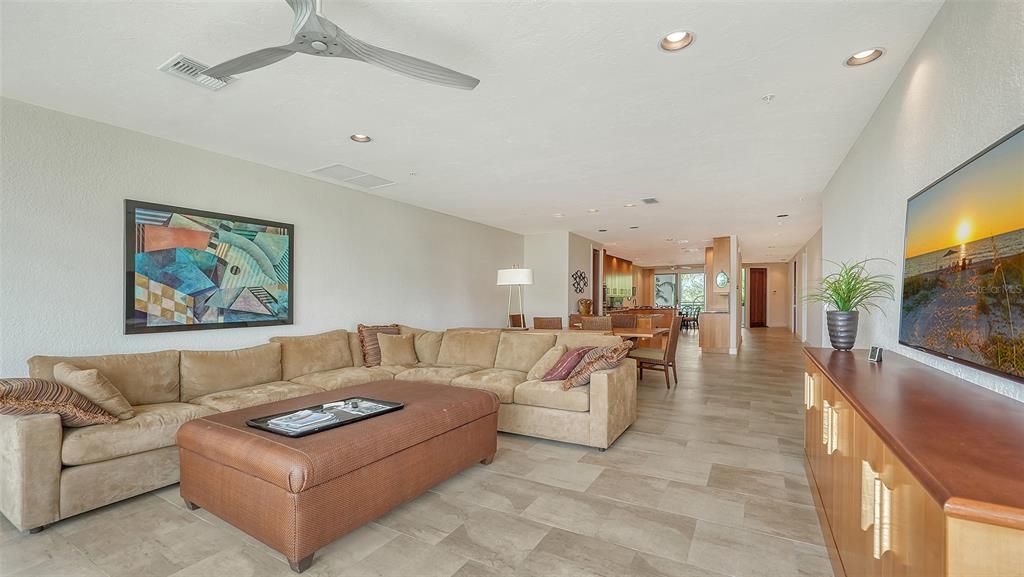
[
  {"x": 441, "y": 375},
  {"x": 549, "y": 394},
  {"x": 153, "y": 427},
  {"x": 519, "y": 351},
  {"x": 648, "y": 353},
  {"x": 222, "y": 401},
  {"x": 341, "y": 378},
  {"x": 205, "y": 372},
  {"x": 468, "y": 347},
  {"x": 313, "y": 353},
  {"x": 501, "y": 382}
]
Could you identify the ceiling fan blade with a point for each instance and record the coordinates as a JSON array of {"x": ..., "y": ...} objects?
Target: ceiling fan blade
[
  {"x": 402, "y": 64},
  {"x": 250, "y": 61},
  {"x": 303, "y": 9}
]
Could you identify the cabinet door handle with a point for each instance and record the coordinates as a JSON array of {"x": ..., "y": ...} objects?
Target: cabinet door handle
[
  {"x": 808, "y": 391},
  {"x": 876, "y": 510},
  {"x": 829, "y": 428}
]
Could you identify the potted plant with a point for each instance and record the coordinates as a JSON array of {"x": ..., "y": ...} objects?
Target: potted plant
[{"x": 844, "y": 293}]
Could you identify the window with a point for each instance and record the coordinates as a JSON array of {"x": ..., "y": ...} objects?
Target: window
[
  {"x": 691, "y": 288},
  {"x": 673, "y": 290},
  {"x": 665, "y": 290}
]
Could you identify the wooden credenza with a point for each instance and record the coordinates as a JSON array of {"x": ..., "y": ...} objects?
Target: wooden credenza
[{"x": 914, "y": 472}]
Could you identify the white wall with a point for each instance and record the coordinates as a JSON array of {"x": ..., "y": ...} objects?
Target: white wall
[
  {"x": 779, "y": 303},
  {"x": 961, "y": 90},
  {"x": 359, "y": 258},
  {"x": 581, "y": 257},
  {"x": 548, "y": 255},
  {"x": 810, "y": 323}
]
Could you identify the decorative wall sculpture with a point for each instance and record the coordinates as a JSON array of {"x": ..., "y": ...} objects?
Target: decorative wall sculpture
[
  {"x": 191, "y": 269},
  {"x": 579, "y": 281}
]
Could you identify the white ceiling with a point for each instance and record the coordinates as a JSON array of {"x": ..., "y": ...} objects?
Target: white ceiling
[{"x": 577, "y": 107}]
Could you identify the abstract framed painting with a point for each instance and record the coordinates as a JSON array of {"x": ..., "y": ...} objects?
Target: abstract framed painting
[{"x": 189, "y": 269}]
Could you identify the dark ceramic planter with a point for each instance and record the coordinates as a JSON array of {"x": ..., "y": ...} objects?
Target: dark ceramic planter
[{"x": 842, "y": 329}]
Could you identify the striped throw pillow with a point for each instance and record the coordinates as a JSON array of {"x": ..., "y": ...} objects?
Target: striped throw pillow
[
  {"x": 567, "y": 363},
  {"x": 35, "y": 396},
  {"x": 368, "y": 340},
  {"x": 599, "y": 359}
]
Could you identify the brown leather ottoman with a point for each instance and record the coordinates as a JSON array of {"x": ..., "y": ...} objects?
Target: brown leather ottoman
[{"x": 299, "y": 494}]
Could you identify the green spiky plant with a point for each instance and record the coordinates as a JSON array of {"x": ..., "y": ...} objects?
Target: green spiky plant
[{"x": 853, "y": 287}]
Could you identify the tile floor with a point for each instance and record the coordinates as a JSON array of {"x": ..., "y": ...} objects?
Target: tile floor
[{"x": 708, "y": 482}]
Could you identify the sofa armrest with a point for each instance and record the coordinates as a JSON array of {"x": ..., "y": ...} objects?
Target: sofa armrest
[
  {"x": 612, "y": 403},
  {"x": 30, "y": 469}
]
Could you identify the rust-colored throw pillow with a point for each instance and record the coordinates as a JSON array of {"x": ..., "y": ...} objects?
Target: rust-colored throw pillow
[
  {"x": 563, "y": 368},
  {"x": 599, "y": 359},
  {"x": 36, "y": 396},
  {"x": 368, "y": 340}
]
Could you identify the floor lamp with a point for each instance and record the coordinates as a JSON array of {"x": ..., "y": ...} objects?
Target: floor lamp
[{"x": 515, "y": 277}]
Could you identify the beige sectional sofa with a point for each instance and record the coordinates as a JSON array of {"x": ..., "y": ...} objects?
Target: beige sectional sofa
[{"x": 48, "y": 472}]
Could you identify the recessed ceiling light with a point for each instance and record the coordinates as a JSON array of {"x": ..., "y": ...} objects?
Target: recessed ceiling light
[
  {"x": 602, "y": 230},
  {"x": 682, "y": 241},
  {"x": 360, "y": 138},
  {"x": 865, "y": 56},
  {"x": 634, "y": 227},
  {"x": 781, "y": 215},
  {"x": 677, "y": 40},
  {"x": 768, "y": 98},
  {"x": 629, "y": 205},
  {"x": 669, "y": 239},
  {"x": 559, "y": 215},
  {"x": 592, "y": 210}
]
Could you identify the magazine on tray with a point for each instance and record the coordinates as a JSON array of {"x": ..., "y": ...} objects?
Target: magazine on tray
[{"x": 318, "y": 418}]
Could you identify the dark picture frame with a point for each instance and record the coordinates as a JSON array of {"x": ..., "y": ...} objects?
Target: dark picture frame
[
  {"x": 136, "y": 322},
  {"x": 903, "y": 280}
]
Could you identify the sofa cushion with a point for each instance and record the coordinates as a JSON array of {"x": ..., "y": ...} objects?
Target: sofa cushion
[
  {"x": 545, "y": 363},
  {"x": 550, "y": 394},
  {"x": 501, "y": 382},
  {"x": 565, "y": 365},
  {"x": 428, "y": 346},
  {"x": 519, "y": 351},
  {"x": 442, "y": 375},
  {"x": 346, "y": 377},
  {"x": 573, "y": 339},
  {"x": 650, "y": 353},
  {"x": 143, "y": 378},
  {"x": 223, "y": 401},
  {"x": 368, "y": 340},
  {"x": 465, "y": 347},
  {"x": 397, "y": 349},
  {"x": 36, "y": 396},
  {"x": 355, "y": 346},
  {"x": 313, "y": 353},
  {"x": 153, "y": 427},
  {"x": 205, "y": 372},
  {"x": 91, "y": 384}
]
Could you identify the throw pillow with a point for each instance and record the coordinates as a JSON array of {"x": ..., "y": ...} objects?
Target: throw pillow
[
  {"x": 368, "y": 340},
  {"x": 599, "y": 359},
  {"x": 397, "y": 349},
  {"x": 36, "y": 396},
  {"x": 91, "y": 384},
  {"x": 545, "y": 362},
  {"x": 567, "y": 363}
]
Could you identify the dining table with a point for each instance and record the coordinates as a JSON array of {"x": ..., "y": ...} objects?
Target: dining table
[{"x": 626, "y": 333}]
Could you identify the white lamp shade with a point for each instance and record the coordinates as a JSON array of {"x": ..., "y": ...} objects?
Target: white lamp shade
[{"x": 515, "y": 276}]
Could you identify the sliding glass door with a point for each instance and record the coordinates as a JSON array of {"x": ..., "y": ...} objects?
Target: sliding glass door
[{"x": 679, "y": 290}]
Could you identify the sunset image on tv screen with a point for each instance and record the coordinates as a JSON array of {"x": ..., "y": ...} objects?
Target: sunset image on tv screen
[{"x": 963, "y": 274}]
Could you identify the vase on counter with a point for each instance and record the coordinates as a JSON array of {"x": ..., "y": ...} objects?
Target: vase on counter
[
  {"x": 842, "y": 329},
  {"x": 586, "y": 306}
]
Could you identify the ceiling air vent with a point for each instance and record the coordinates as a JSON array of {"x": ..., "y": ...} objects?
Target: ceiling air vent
[
  {"x": 349, "y": 175},
  {"x": 184, "y": 67},
  {"x": 651, "y": 200}
]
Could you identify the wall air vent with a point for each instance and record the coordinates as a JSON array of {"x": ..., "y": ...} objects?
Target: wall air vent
[
  {"x": 184, "y": 67},
  {"x": 651, "y": 200},
  {"x": 348, "y": 175}
]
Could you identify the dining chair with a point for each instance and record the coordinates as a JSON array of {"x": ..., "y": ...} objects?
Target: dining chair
[
  {"x": 575, "y": 321},
  {"x": 624, "y": 321},
  {"x": 597, "y": 323},
  {"x": 517, "y": 321},
  {"x": 547, "y": 323},
  {"x": 660, "y": 359}
]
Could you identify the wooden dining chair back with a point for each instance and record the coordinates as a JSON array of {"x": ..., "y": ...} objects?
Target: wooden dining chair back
[
  {"x": 597, "y": 323},
  {"x": 517, "y": 321},
  {"x": 624, "y": 321},
  {"x": 661, "y": 359},
  {"x": 547, "y": 323}
]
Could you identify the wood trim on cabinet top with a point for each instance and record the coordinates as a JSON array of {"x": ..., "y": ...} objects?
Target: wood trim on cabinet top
[{"x": 962, "y": 442}]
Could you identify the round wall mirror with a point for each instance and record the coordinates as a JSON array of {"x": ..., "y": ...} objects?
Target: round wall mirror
[{"x": 721, "y": 279}]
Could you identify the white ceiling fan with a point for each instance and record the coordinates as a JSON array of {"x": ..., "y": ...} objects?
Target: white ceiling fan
[{"x": 313, "y": 34}]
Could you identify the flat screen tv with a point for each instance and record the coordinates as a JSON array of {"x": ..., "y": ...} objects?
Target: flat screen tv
[{"x": 963, "y": 270}]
